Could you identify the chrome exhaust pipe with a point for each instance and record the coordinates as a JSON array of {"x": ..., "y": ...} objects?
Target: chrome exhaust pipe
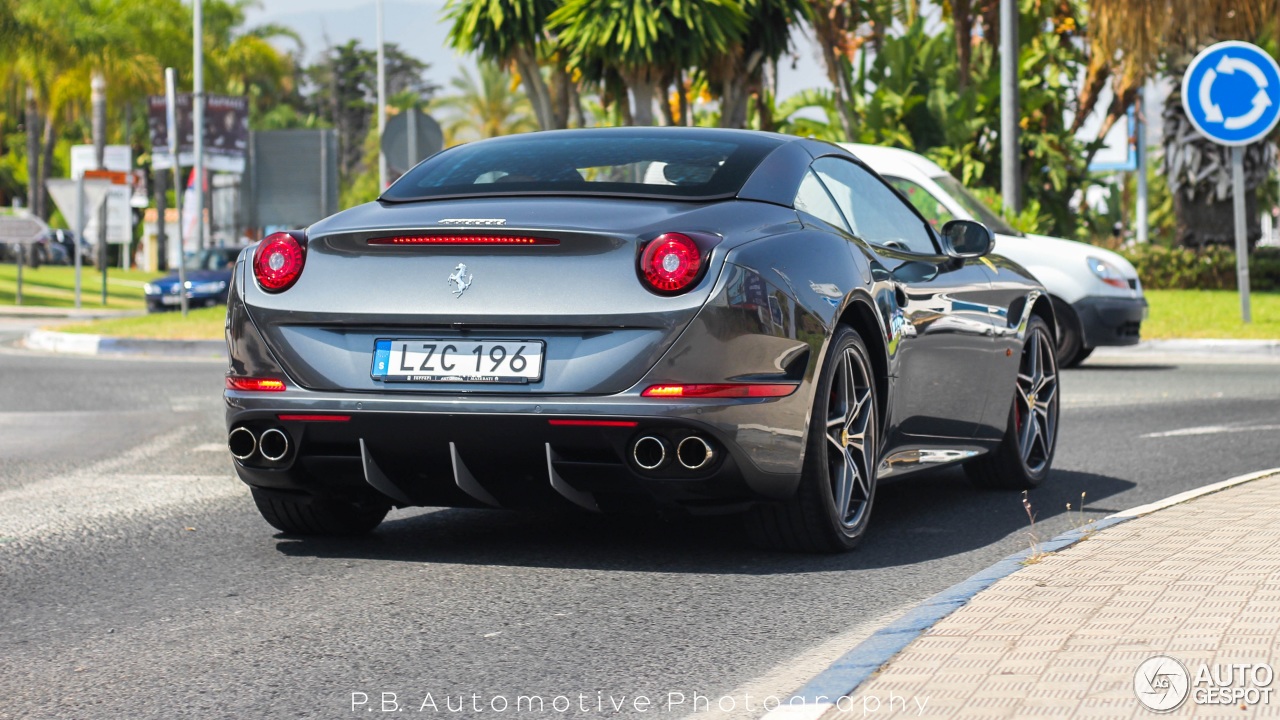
[
  {"x": 694, "y": 453},
  {"x": 274, "y": 444},
  {"x": 242, "y": 443},
  {"x": 649, "y": 452}
]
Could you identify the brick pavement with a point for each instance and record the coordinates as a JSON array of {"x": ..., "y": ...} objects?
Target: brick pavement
[{"x": 1063, "y": 637}]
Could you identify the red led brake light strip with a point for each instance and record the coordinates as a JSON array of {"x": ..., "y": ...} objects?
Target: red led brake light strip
[{"x": 462, "y": 240}]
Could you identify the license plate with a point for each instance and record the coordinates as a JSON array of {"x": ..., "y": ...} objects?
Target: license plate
[
  {"x": 461, "y": 361},
  {"x": 170, "y": 300}
]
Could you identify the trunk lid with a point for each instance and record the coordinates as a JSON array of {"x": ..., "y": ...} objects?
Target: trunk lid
[{"x": 602, "y": 327}]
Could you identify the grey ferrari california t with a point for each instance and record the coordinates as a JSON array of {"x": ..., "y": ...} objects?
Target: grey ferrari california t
[{"x": 708, "y": 320}]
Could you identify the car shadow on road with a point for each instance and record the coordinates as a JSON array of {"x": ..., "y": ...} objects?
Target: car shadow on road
[{"x": 915, "y": 520}]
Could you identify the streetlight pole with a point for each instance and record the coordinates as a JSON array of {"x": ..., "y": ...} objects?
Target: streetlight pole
[
  {"x": 171, "y": 127},
  {"x": 197, "y": 115},
  {"x": 1010, "y": 154},
  {"x": 382, "y": 105},
  {"x": 1140, "y": 131}
]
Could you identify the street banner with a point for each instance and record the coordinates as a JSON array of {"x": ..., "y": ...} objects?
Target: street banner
[{"x": 226, "y": 132}]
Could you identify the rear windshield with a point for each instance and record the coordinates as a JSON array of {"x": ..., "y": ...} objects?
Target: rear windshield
[{"x": 604, "y": 162}]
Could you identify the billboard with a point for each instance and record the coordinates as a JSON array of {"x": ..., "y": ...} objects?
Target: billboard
[{"x": 226, "y": 132}]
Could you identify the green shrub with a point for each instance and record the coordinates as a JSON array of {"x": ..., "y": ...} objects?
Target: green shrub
[{"x": 1213, "y": 268}]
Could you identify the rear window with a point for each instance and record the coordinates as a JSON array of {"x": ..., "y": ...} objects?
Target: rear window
[{"x": 657, "y": 163}]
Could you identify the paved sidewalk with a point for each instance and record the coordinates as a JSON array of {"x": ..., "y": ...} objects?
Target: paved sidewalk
[{"x": 1064, "y": 637}]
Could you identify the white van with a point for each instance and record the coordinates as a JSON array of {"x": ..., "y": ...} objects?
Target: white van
[{"x": 1096, "y": 294}]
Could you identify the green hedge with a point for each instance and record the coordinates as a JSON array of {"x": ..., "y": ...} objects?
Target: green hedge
[{"x": 1214, "y": 268}]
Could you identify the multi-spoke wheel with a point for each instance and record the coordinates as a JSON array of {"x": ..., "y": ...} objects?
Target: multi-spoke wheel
[
  {"x": 1023, "y": 458},
  {"x": 830, "y": 511}
]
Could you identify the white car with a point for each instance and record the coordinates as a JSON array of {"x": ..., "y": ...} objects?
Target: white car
[{"x": 1096, "y": 294}]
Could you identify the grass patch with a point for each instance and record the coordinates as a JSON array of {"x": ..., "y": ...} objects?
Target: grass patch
[
  {"x": 1210, "y": 314},
  {"x": 54, "y": 286},
  {"x": 203, "y": 324},
  {"x": 1174, "y": 314}
]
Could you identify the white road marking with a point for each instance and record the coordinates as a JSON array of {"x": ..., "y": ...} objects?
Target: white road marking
[
  {"x": 210, "y": 447},
  {"x": 73, "y": 502},
  {"x": 1211, "y": 430}
]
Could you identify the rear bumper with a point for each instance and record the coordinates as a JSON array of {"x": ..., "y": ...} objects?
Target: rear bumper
[
  {"x": 435, "y": 451},
  {"x": 1111, "y": 321}
]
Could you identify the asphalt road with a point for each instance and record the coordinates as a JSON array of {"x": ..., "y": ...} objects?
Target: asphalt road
[{"x": 137, "y": 580}]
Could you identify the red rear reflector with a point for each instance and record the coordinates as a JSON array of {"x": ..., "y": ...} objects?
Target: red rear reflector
[
  {"x": 462, "y": 240},
  {"x": 255, "y": 384},
  {"x": 313, "y": 418},
  {"x": 723, "y": 390},
  {"x": 594, "y": 423}
]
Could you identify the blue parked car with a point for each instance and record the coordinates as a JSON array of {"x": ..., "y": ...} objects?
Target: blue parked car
[{"x": 208, "y": 277}]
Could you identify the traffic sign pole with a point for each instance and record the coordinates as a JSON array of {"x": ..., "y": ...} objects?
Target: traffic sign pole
[
  {"x": 1242, "y": 231},
  {"x": 1231, "y": 94},
  {"x": 22, "y": 250},
  {"x": 80, "y": 223}
]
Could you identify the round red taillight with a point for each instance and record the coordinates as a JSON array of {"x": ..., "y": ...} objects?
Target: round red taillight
[
  {"x": 671, "y": 263},
  {"x": 278, "y": 261}
]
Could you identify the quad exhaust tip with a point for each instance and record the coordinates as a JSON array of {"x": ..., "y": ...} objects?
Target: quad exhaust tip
[
  {"x": 649, "y": 452},
  {"x": 694, "y": 453},
  {"x": 242, "y": 443},
  {"x": 274, "y": 444}
]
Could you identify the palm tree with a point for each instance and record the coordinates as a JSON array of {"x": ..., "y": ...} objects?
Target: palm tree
[
  {"x": 739, "y": 71},
  {"x": 646, "y": 43},
  {"x": 1133, "y": 39},
  {"x": 484, "y": 109},
  {"x": 509, "y": 32}
]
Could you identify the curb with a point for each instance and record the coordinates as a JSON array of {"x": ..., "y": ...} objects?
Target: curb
[
  {"x": 843, "y": 677},
  {"x": 76, "y": 344},
  {"x": 1189, "y": 346}
]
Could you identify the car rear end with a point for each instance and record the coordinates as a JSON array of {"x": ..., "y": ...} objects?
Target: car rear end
[{"x": 504, "y": 349}]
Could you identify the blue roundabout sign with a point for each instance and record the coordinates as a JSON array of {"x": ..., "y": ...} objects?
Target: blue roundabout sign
[{"x": 1231, "y": 93}]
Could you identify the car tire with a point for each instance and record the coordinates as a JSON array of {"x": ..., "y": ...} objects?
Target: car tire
[
  {"x": 832, "y": 506},
  {"x": 308, "y": 514},
  {"x": 1025, "y": 454},
  {"x": 1069, "y": 340}
]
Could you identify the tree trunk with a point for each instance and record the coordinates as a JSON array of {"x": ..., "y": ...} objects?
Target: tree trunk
[
  {"x": 641, "y": 86},
  {"x": 735, "y": 91},
  {"x": 561, "y": 96},
  {"x": 46, "y": 163},
  {"x": 663, "y": 94},
  {"x": 1199, "y": 175},
  {"x": 536, "y": 88},
  {"x": 35, "y": 188},
  {"x": 840, "y": 89},
  {"x": 576, "y": 114},
  {"x": 683, "y": 100}
]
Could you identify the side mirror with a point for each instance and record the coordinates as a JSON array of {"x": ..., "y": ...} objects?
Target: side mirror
[{"x": 966, "y": 239}]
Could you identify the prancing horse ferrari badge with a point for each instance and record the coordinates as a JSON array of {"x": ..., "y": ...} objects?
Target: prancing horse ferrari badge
[{"x": 460, "y": 279}]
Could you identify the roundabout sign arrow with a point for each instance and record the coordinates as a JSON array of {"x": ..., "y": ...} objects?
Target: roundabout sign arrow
[{"x": 1231, "y": 93}]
